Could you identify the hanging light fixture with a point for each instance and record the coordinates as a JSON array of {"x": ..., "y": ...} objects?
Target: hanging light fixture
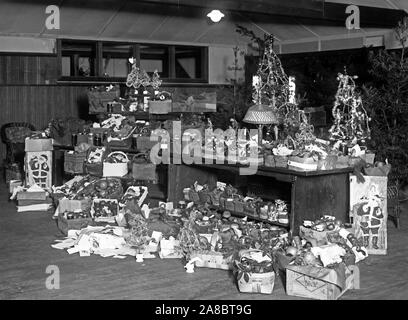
[{"x": 215, "y": 15}]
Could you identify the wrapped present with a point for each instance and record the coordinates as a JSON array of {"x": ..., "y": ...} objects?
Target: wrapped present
[
  {"x": 302, "y": 163},
  {"x": 104, "y": 210},
  {"x": 321, "y": 283},
  {"x": 204, "y": 102},
  {"x": 100, "y": 97},
  {"x": 159, "y": 106},
  {"x": 38, "y": 145},
  {"x": 212, "y": 259},
  {"x": 38, "y": 168}
]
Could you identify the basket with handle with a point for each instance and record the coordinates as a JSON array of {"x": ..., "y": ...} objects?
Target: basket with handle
[
  {"x": 142, "y": 169},
  {"x": 119, "y": 169},
  {"x": 259, "y": 280}
]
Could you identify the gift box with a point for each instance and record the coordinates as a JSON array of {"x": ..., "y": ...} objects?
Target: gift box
[
  {"x": 204, "y": 102},
  {"x": 38, "y": 168},
  {"x": 71, "y": 205},
  {"x": 212, "y": 259},
  {"x": 250, "y": 209},
  {"x": 104, "y": 210},
  {"x": 316, "y": 238},
  {"x": 65, "y": 224},
  {"x": 38, "y": 145},
  {"x": 99, "y": 100},
  {"x": 159, "y": 106},
  {"x": 321, "y": 283},
  {"x": 302, "y": 164}
]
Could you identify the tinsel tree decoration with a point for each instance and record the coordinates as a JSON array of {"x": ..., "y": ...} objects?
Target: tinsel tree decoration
[
  {"x": 351, "y": 122},
  {"x": 272, "y": 85},
  {"x": 156, "y": 81},
  {"x": 134, "y": 78}
]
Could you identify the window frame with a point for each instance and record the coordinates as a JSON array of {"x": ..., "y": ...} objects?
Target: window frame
[{"x": 136, "y": 51}]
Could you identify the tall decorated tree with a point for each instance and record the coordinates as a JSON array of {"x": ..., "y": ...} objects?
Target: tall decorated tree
[
  {"x": 351, "y": 122},
  {"x": 272, "y": 83}
]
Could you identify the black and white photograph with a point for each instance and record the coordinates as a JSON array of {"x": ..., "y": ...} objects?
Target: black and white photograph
[{"x": 205, "y": 157}]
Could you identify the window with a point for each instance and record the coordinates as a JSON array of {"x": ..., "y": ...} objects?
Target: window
[
  {"x": 115, "y": 59},
  {"x": 78, "y": 59},
  {"x": 102, "y": 60},
  {"x": 153, "y": 57},
  {"x": 188, "y": 62}
]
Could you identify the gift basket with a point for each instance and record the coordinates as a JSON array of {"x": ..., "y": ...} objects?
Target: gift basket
[
  {"x": 255, "y": 272},
  {"x": 143, "y": 169},
  {"x": 115, "y": 164},
  {"x": 100, "y": 96},
  {"x": 94, "y": 161}
]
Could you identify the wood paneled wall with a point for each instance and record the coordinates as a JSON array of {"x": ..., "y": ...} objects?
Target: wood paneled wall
[{"x": 29, "y": 92}]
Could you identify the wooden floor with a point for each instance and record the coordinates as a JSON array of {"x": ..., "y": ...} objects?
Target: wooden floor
[{"x": 25, "y": 253}]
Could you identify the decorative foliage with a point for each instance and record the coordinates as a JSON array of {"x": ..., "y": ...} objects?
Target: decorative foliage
[
  {"x": 351, "y": 122},
  {"x": 386, "y": 100}
]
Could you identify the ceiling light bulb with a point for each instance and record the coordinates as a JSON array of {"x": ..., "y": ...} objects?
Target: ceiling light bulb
[{"x": 215, "y": 15}]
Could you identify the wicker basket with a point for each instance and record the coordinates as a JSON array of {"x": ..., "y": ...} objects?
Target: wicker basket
[
  {"x": 256, "y": 282},
  {"x": 74, "y": 162},
  {"x": 143, "y": 170},
  {"x": 116, "y": 169},
  {"x": 281, "y": 161},
  {"x": 64, "y": 224},
  {"x": 269, "y": 160}
]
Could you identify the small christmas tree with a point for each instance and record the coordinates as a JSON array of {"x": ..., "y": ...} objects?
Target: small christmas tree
[
  {"x": 134, "y": 77},
  {"x": 351, "y": 122},
  {"x": 272, "y": 86}
]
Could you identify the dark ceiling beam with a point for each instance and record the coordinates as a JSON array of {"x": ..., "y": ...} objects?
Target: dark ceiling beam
[
  {"x": 299, "y": 8},
  {"x": 317, "y": 11}
]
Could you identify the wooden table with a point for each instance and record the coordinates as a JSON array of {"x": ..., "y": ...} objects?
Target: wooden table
[{"x": 312, "y": 193}]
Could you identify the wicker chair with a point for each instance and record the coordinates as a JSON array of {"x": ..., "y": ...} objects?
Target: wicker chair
[
  {"x": 395, "y": 178},
  {"x": 13, "y": 136}
]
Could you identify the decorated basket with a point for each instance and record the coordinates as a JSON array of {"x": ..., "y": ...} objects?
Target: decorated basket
[
  {"x": 74, "y": 162},
  {"x": 281, "y": 161},
  {"x": 65, "y": 224},
  {"x": 142, "y": 169},
  {"x": 116, "y": 169},
  {"x": 255, "y": 282},
  {"x": 269, "y": 160}
]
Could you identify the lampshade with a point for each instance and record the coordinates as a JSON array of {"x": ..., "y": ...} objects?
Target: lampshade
[{"x": 261, "y": 114}]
